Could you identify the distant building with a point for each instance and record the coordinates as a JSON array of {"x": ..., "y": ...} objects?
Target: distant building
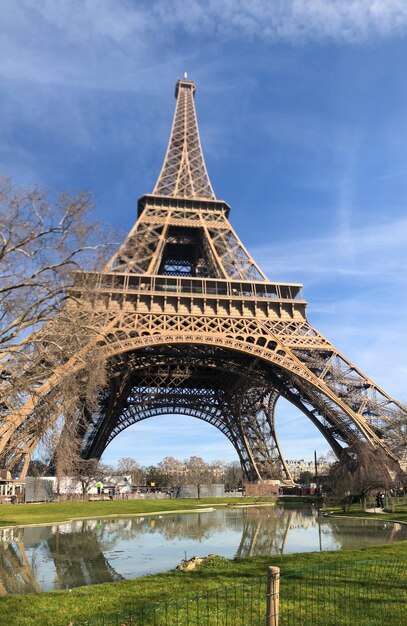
[
  {"x": 297, "y": 466},
  {"x": 11, "y": 491},
  {"x": 45, "y": 488}
]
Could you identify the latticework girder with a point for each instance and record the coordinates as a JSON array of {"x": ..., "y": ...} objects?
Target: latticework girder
[
  {"x": 163, "y": 233},
  {"x": 289, "y": 375},
  {"x": 205, "y": 384},
  {"x": 184, "y": 173}
]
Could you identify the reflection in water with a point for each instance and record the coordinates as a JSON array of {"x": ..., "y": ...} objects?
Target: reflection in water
[
  {"x": 85, "y": 552},
  {"x": 17, "y": 574},
  {"x": 265, "y": 531},
  {"x": 79, "y": 559}
]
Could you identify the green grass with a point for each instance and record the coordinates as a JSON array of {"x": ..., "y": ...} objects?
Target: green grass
[
  {"x": 67, "y": 607},
  {"x": 23, "y": 514},
  {"x": 397, "y": 512}
]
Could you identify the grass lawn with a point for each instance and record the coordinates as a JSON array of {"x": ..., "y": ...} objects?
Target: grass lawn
[
  {"x": 396, "y": 513},
  {"x": 23, "y": 514}
]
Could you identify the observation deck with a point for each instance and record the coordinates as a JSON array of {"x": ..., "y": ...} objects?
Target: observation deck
[{"x": 175, "y": 294}]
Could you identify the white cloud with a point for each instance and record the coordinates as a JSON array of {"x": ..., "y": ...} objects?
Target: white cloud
[
  {"x": 287, "y": 20},
  {"x": 105, "y": 43},
  {"x": 356, "y": 285},
  {"x": 379, "y": 251}
]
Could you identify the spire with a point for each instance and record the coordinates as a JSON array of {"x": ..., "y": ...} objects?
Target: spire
[{"x": 183, "y": 174}]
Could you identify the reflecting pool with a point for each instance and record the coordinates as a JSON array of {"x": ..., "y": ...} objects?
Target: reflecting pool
[{"x": 87, "y": 552}]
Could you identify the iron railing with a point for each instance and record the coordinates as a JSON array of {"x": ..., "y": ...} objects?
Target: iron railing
[{"x": 125, "y": 283}]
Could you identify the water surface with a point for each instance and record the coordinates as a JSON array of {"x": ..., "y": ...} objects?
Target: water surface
[{"x": 86, "y": 552}]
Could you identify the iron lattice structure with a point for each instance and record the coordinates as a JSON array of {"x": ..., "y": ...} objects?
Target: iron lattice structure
[{"x": 190, "y": 324}]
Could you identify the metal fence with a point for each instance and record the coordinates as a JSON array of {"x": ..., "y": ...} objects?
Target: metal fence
[{"x": 371, "y": 593}]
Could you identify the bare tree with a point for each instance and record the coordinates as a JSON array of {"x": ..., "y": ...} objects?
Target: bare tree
[
  {"x": 217, "y": 469},
  {"x": 233, "y": 476},
  {"x": 157, "y": 478},
  {"x": 57, "y": 415},
  {"x": 88, "y": 472},
  {"x": 198, "y": 472},
  {"x": 42, "y": 240},
  {"x": 37, "y": 468},
  {"x": 127, "y": 465},
  {"x": 360, "y": 470},
  {"x": 395, "y": 433},
  {"x": 175, "y": 472}
]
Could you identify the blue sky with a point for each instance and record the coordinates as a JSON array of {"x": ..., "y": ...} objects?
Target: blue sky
[{"x": 303, "y": 119}]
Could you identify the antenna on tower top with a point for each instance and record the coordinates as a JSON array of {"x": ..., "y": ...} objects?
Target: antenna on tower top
[{"x": 185, "y": 74}]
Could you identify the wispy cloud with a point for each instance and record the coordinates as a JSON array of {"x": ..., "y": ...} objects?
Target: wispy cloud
[
  {"x": 105, "y": 43},
  {"x": 378, "y": 250},
  {"x": 288, "y": 20},
  {"x": 354, "y": 278}
]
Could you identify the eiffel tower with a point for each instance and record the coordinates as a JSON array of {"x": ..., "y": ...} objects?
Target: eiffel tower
[{"x": 193, "y": 326}]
